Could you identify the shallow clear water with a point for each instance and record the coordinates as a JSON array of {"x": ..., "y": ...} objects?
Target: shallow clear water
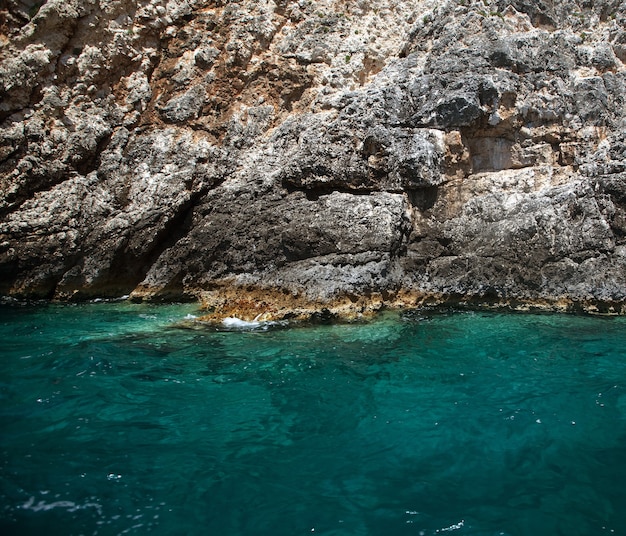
[{"x": 116, "y": 419}]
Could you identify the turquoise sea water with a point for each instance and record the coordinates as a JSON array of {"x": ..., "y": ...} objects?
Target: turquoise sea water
[{"x": 120, "y": 419}]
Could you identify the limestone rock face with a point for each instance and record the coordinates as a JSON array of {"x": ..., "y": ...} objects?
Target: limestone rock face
[{"x": 337, "y": 156}]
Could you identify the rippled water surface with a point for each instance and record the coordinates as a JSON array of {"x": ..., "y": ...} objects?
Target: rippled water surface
[{"x": 121, "y": 419}]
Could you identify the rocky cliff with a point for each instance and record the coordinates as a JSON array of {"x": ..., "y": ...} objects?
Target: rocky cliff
[{"x": 281, "y": 157}]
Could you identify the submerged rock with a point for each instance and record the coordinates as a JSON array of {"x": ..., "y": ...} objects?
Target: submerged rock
[{"x": 285, "y": 158}]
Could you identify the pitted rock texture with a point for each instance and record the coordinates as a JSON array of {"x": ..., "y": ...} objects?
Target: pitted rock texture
[{"x": 331, "y": 155}]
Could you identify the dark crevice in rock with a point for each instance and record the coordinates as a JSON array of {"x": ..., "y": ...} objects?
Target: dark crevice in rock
[
  {"x": 423, "y": 198},
  {"x": 91, "y": 161},
  {"x": 8, "y": 272},
  {"x": 314, "y": 192},
  {"x": 42, "y": 287},
  {"x": 176, "y": 228},
  {"x": 127, "y": 269}
]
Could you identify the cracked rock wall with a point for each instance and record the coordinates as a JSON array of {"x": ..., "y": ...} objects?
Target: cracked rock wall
[{"x": 320, "y": 152}]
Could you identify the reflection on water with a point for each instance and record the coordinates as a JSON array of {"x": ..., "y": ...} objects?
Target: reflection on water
[{"x": 126, "y": 419}]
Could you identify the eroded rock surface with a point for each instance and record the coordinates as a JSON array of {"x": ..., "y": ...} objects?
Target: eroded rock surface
[{"x": 280, "y": 158}]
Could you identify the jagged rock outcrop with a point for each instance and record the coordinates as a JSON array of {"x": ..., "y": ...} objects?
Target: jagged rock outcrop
[{"x": 282, "y": 158}]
